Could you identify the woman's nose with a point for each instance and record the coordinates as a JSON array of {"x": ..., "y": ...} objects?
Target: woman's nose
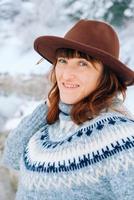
[{"x": 69, "y": 73}]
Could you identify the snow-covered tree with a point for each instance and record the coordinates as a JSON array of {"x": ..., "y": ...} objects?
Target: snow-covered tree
[
  {"x": 27, "y": 19},
  {"x": 9, "y": 10},
  {"x": 114, "y": 11},
  {"x": 37, "y": 17},
  {"x": 119, "y": 12}
]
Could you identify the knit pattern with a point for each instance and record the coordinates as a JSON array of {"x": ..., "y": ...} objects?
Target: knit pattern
[
  {"x": 85, "y": 162},
  {"x": 51, "y": 164},
  {"x": 75, "y": 154}
]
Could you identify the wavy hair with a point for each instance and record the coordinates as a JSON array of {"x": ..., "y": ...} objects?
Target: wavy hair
[{"x": 89, "y": 107}]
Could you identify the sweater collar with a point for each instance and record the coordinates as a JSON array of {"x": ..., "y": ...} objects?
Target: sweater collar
[{"x": 64, "y": 108}]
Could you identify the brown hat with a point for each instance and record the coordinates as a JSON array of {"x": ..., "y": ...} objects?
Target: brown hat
[{"x": 95, "y": 38}]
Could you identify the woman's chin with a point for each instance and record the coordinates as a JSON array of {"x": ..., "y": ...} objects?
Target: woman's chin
[{"x": 68, "y": 100}]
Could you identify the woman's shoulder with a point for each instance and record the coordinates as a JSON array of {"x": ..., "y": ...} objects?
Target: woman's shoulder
[
  {"x": 110, "y": 130},
  {"x": 110, "y": 119},
  {"x": 117, "y": 114},
  {"x": 110, "y": 136},
  {"x": 19, "y": 137},
  {"x": 42, "y": 106}
]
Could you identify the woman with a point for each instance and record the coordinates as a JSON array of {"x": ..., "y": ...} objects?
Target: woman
[{"x": 79, "y": 143}]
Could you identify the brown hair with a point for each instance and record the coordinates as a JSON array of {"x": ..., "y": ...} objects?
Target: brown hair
[{"x": 89, "y": 107}]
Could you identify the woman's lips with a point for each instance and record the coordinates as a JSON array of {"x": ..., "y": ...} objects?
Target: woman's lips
[{"x": 70, "y": 86}]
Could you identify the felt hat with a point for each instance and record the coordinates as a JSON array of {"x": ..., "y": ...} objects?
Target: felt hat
[{"x": 95, "y": 38}]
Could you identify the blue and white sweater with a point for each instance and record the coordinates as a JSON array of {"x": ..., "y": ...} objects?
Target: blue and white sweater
[{"x": 92, "y": 161}]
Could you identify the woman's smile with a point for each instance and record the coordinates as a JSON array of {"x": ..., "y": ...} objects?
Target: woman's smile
[{"x": 70, "y": 85}]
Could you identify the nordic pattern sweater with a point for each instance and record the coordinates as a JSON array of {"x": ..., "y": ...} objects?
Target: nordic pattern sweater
[{"x": 92, "y": 161}]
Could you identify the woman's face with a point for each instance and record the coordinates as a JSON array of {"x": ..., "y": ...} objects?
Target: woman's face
[{"x": 76, "y": 78}]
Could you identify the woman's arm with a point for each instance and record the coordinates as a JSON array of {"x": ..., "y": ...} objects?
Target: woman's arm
[
  {"x": 122, "y": 184},
  {"x": 121, "y": 168},
  {"x": 19, "y": 137}
]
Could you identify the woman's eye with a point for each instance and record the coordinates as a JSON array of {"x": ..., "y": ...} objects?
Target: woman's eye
[
  {"x": 82, "y": 63},
  {"x": 61, "y": 60}
]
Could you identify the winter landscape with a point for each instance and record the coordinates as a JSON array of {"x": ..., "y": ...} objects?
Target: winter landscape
[{"x": 23, "y": 84}]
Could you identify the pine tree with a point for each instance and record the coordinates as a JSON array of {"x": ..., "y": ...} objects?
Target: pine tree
[
  {"x": 119, "y": 12},
  {"x": 115, "y": 12}
]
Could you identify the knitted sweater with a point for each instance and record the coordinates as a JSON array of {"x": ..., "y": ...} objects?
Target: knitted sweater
[{"x": 92, "y": 161}]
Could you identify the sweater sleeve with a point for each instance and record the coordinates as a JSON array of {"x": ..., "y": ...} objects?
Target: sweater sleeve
[
  {"x": 121, "y": 178},
  {"x": 122, "y": 184},
  {"x": 19, "y": 137}
]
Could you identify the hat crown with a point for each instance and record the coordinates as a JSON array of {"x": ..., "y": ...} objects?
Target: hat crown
[{"x": 97, "y": 34}]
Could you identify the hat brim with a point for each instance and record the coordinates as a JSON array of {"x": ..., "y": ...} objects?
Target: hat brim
[{"x": 46, "y": 46}]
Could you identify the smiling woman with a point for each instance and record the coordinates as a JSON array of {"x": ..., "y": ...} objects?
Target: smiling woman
[
  {"x": 73, "y": 75},
  {"x": 77, "y": 144}
]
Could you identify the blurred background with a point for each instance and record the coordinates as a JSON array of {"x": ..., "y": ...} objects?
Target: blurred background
[{"x": 23, "y": 84}]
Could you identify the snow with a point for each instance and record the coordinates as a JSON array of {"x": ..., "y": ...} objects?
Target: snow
[
  {"x": 13, "y": 62},
  {"x": 14, "y": 109},
  {"x": 25, "y": 108}
]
